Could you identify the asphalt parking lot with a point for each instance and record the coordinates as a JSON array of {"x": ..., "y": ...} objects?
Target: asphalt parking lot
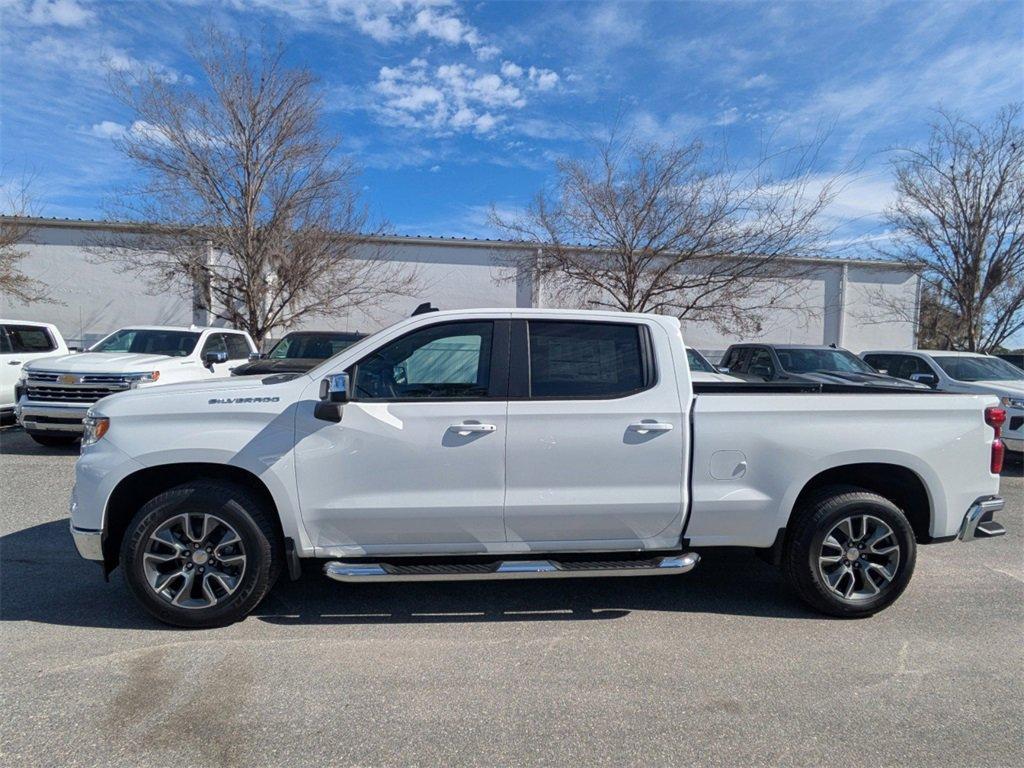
[{"x": 720, "y": 667}]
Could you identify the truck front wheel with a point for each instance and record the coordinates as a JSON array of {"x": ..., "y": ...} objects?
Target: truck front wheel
[
  {"x": 849, "y": 553},
  {"x": 202, "y": 554}
]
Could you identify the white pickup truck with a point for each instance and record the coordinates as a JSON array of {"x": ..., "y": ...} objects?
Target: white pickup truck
[
  {"x": 54, "y": 394},
  {"x": 523, "y": 444}
]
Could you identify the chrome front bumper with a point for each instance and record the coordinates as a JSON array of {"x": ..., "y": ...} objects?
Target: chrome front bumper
[
  {"x": 88, "y": 543},
  {"x": 52, "y": 418},
  {"x": 978, "y": 522}
]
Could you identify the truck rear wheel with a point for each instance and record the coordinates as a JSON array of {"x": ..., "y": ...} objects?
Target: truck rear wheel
[
  {"x": 849, "y": 553},
  {"x": 202, "y": 554}
]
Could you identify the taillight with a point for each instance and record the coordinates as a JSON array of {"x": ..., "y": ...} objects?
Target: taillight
[{"x": 995, "y": 418}]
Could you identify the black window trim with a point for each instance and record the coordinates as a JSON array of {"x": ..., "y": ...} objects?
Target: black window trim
[
  {"x": 497, "y": 388},
  {"x": 520, "y": 378}
]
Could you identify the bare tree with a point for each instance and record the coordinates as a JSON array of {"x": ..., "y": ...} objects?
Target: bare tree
[
  {"x": 650, "y": 228},
  {"x": 959, "y": 220},
  {"x": 14, "y": 231},
  {"x": 244, "y": 194}
]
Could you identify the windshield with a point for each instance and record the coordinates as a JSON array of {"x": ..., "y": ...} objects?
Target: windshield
[
  {"x": 313, "y": 346},
  {"x": 796, "y": 360},
  {"x": 149, "y": 342},
  {"x": 978, "y": 368},
  {"x": 698, "y": 362}
]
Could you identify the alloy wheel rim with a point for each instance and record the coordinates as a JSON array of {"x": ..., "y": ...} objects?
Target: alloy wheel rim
[
  {"x": 859, "y": 557},
  {"x": 194, "y": 560}
]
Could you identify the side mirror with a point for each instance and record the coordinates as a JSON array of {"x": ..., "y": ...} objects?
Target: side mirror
[
  {"x": 925, "y": 378},
  {"x": 333, "y": 395},
  {"x": 723, "y": 368},
  {"x": 334, "y": 389},
  {"x": 215, "y": 358}
]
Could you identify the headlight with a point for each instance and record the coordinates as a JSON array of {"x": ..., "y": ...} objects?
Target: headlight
[
  {"x": 144, "y": 378},
  {"x": 95, "y": 428},
  {"x": 1012, "y": 402},
  {"x": 23, "y": 377}
]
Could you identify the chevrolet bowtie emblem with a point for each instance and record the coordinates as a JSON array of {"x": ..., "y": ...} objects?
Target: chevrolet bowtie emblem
[{"x": 67, "y": 378}]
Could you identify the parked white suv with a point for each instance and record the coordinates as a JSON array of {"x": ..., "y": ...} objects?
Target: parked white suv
[
  {"x": 22, "y": 342},
  {"x": 55, "y": 393},
  {"x": 962, "y": 372}
]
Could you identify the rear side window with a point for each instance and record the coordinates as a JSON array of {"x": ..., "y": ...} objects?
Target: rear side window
[
  {"x": 238, "y": 347},
  {"x": 585, "y": 360},
  {"x": 29, "y": 338}
]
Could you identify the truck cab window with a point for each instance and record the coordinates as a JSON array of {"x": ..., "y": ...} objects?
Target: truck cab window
[
  {"x": 761, "y": 364},
  {"x": 450, "y": 361},
  {"x": 214, "y": 343},
  {"x": 238, "y": 347},
  {"x": 591, "y": 360},
  {"x": 27, "y": 338}
]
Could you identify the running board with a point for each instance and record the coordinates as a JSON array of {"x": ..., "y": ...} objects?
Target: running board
[{"x": 509, "y": 569}]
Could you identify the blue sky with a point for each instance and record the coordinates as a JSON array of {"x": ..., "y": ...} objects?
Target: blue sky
[{"x": 449, "y": 107}]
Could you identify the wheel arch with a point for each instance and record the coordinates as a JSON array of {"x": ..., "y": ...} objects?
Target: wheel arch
[
  {"x": 134, "y": 490},
  {"x": 900, "y": 484}
]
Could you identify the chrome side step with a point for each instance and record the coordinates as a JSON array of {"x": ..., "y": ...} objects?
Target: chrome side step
[{"x": 509, "y": 569}]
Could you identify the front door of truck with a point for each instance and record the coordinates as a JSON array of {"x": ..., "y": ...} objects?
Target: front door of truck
[
  {"x": 597, "y": 439},
  {"x": 417, "y": 462}
]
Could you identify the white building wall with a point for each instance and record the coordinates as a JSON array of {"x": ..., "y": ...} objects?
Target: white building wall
[{"x": 92, "y": 299}]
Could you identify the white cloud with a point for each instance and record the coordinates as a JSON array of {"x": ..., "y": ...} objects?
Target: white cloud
[
  {"x": 108, "y": 129},
  {"x": 544, "y": 79},
  {"x": 757, "y": 81},
  {"x": 42, "y": 13},
  {"x": 508, "y": 69},
  {"x": 97, "y": 61},
  {"x": 728, "y": 117},
  {"x": 388, "y": 21},
  {"x": 450, "y": 97}
]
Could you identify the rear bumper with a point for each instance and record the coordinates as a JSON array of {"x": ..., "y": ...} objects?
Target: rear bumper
[
  {"x": 978, "y": 522},
  {"x": 63, "y": 419}
]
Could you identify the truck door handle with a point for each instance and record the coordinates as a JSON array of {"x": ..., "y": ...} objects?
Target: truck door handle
[
  {"x": 465, "y": 429},
  {"x": 14, "y": 362},
  {"x": 643, "y": 427}
]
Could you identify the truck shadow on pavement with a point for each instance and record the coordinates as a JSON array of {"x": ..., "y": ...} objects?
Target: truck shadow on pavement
[{"x": 43, "y": 580}]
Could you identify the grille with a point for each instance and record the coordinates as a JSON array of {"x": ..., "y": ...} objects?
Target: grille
[
  {"x": 44, "y": 387},
  {"x": 70, "y": 394}
]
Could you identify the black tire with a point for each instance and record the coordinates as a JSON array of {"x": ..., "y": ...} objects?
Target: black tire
[
  {"x": 54, "y": 441},
  {"x": 808, "y": 529},
  {"x": 238, "y": 507}
]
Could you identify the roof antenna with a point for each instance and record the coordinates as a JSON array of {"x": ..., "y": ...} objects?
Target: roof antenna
[{"x": 423, "y": 308}]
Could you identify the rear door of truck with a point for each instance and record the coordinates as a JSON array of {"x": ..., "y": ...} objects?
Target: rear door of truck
[{"x": 597, "y": 437}]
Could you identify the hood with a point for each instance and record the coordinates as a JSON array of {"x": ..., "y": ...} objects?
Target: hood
[
  {"x": 109, "y": 362},
  {"x": 865, "y": 379},
  {"x": 1011, "y": 387},
  {"x": 287, "y": 365}
]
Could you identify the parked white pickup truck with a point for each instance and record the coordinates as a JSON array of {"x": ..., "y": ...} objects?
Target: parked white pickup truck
[
  {"x": 55, "y": 393},
  {"x": 22, "y": 342},
  {"x": 523, "y": 443}
]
